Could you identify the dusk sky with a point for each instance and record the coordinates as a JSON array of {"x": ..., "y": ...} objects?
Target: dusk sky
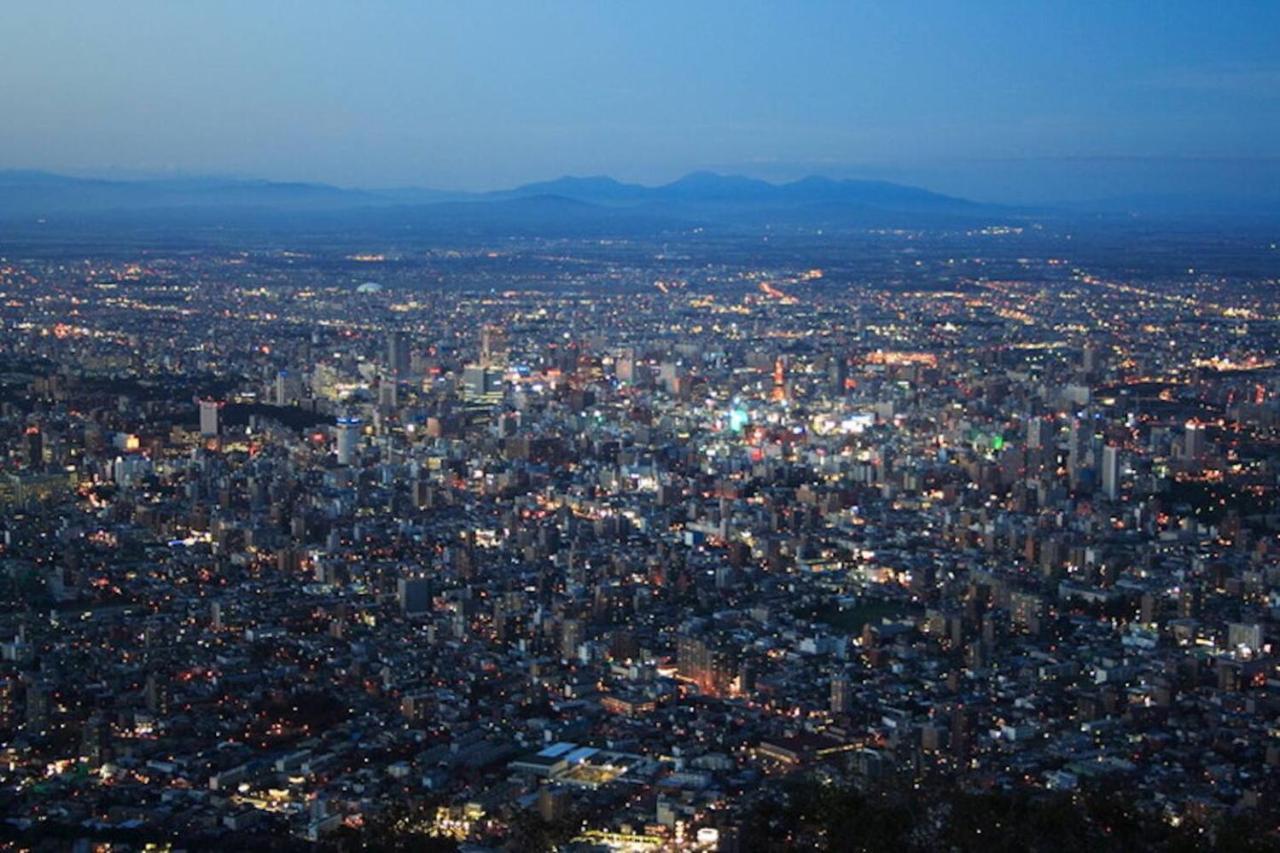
[{"x": 1002, "y": 100}]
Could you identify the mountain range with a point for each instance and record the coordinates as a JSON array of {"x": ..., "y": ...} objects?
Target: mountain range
[
  {"x": 561, "y": 207},
  {"x": 697, "y": 198}
]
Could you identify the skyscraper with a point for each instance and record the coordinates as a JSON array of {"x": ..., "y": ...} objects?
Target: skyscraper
[
  {"x": 1193, "y": 440},
  {"x": 838, "y": 375},
  {"x": 1111, "y": 472},
  {"x": 33, "y": 447},
  {"x": 493, "y": 346},
  {"x": 398, "y": 354},
  {"x": 288, "y": 388},
  {"x": 841, "y": 694},
  {"x": 1035, "y": 433},
  {"x": 209, "y": 416},
  {"x": 388, "y": 392},
  {"x": 1077, "y": 450},
  {"x": 348, "y": 439}
]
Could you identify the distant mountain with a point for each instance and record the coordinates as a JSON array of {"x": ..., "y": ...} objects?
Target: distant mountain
[
  {"x": 597, "y": 190},
  {"x": 709, "y": 188},
  {"x": 564, "y": 205},
  {"x": 31, "y": 193}
]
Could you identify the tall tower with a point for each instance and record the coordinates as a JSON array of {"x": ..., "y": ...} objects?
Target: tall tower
[
  {"x": 779, "y": 379},
  {"x": 398, "y": 354},
  {"x": 288, "y": 388},
  {"x": 1077, "y": 449},
  {"x": 1035, "y": 433},
  {"x": 838, "y": 375},
  {"x": 388, "y": 391},
  {"x": 841, "y": 694},
  {"x": 1111, "y": 472},
  {"x": 348, "y": 439},
  {"x": 493, "y": 345},
  {"x": 33, "y": 447}
]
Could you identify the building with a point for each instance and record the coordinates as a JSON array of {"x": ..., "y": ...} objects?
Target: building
[
  {"x": 288, "y": 388},
  {"x": 841, "y": 694},
  {"x": 554, "y": 803},
  {"x": 413, "y": 595},
  {"x": 1078, "y": 440},
  {"x": 348, "y": 439},
  {"x": 711, "y": 668},
  {"x": 1035, "y": 433},
  {"x": 1111, "y": 472},
  {"x": 398, "y": 354},
  {"x": 33, "y": 447},
  {"x": 481, "y": 383},
  {"x": 493, "y": 346},
  {"x": 1193, "y": 442},
  {"x": 388, "y": 392},
  {"x": 210, "y": 414}
]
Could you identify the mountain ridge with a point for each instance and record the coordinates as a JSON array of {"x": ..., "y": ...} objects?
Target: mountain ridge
[{"x": 36, "y": 192}]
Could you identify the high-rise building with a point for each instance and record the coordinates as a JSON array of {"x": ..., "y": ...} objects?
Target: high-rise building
[
  {"x": 388, "y": 392},
  {"x": 210, "y": 412},
  {"x": 779, "y": 392},
  {"x": 348, "y": 430},
  {"x": 288, "y": 388},
  {"x": 1026, "y": 611},
  {"x": 1194, "y": 441},
  {"x": 1111, "y": 472},
  {"x": 570, "y": 638},
  {"x": 33, "y": 447},
  {"x": 838, "y": 375},
  {"x": 413, "y": 595},
  {"x": 713, "y": 669},
  {"x": 37, "y": 710},
  {"x": 481, "y": 383},
  {"x": 398, "y": 354},
  {"x": 841, "y": 694},
  {"x": 493, "y": 345},
  {"x": 1035, "y": 433},
  {"x": 1091, "y": 358},
  {"x": 1078, "y": 441}
]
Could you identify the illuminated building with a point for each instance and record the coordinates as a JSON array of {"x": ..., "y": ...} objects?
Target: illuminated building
[
  {"x": 712, "y": 669},
  {"x": 348, "y": 430},
  {"x": 33, "y": 447},
  {"x": 481, "y": 383},
  {"x": 493, "y": 345},
  {"x": 1194, "y": 441},
  {"x": 841, "y": 694},
  {"x": 779, "y": 379}
]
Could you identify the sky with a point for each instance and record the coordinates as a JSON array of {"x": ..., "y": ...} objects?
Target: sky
[{"x": 1005, "y": 101}]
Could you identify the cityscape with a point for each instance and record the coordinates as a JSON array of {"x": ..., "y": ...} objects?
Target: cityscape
[
  {"x": 709, "y": 513},
  {"x": 624, "y": 537}
]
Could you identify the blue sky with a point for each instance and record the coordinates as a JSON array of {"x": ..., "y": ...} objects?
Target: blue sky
[{"x": 1004, "y": 100}]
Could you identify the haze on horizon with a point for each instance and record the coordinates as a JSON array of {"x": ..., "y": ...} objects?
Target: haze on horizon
[{"x": 1001, "y": 101}]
